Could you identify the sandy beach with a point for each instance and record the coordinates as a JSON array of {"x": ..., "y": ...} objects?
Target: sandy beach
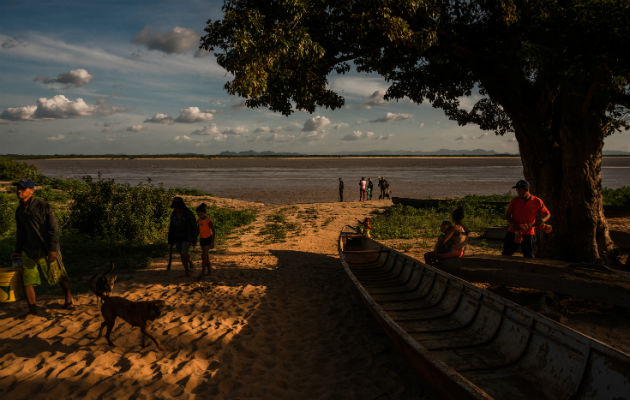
[{"x": 275, "y": 320}]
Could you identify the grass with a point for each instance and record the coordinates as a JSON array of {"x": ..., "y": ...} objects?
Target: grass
[
  {"x": 277, "y": 228},
  {"x": 405, "y": 222}
]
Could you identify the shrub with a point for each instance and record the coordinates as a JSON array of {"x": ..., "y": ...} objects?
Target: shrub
[
  {"x": 120, "y": 213},
  {"x": 617, "y": 197},
  {"x": 225, "y": 220},
  {"x": 7, "y": 213},
  {"x": 14, "y": 170}
]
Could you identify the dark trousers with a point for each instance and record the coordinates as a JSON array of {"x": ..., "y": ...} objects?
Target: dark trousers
[
  {"x": 527, "y": 245},
  {"x": 340, "y": 194}
]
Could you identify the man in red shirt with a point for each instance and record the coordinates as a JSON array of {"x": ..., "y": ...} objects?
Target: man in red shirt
[{"x": 523, "y": 214}]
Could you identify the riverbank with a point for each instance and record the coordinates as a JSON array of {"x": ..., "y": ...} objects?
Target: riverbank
[{"x": 277, "y": 319}]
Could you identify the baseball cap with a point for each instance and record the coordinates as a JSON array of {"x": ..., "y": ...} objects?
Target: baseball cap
[
  {"x": 177, "y": 202},
  {"x": 521, "y": 184},
  {"x": 24, "y": 183}
]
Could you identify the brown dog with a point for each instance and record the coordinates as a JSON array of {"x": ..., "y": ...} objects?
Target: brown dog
[{"x": 136, "y": 313}]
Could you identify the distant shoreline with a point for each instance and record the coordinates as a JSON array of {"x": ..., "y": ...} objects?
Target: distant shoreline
[{"x": 260, "y": 156}]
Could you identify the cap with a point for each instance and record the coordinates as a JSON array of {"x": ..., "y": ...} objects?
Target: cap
[
  {"x": 24, "y": 183},
  {"x": 178, "y": 202},
  {"x": 523, "y": 184}
]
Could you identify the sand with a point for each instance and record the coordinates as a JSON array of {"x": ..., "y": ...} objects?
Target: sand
[{"x": 275, "y": 320}]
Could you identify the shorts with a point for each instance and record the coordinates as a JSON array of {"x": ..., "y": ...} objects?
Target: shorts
[
  {"x": 32, "y": 270},
  {"x": 182, "y": 247},
  {"x": 205, "y": 241}
]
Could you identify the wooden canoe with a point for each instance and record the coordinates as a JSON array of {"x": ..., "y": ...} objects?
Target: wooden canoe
[{"x": 470, "y": 343}]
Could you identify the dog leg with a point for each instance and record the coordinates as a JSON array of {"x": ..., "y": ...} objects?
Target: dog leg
[
  {"x": 144, "y": 332},
  {"x": 100, "y": 331},
  {"x": 110, "y": 327}
]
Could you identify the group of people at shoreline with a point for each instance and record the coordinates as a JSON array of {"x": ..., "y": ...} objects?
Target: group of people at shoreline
[
  {"x": 366, "y": 189},
  {"x": 37, "y": 252}
]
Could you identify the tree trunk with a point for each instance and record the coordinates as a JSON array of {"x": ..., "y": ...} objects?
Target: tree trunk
[{"x": 562, "y": 161}]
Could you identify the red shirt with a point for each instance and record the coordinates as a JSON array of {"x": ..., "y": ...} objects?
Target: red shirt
[
  {"x": 524, "y": 212},
  {"x": 205, "y": 230}
]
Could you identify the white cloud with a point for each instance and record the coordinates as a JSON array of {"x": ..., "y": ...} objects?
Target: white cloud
[
  {"x": 194, "y": 114},
  {"x": 357, "y": 135},
  {"x": 340, "y": 125},
  {"x": 56, "y": 138},
  {"x": 239, "y": 130},
  {"x": 176, "y": 41},
  {"x": 210, "y": 130},
  {"x": 160, "y": 118},
  {"x": 136, "y": 128},
  {"x": 375, "y": 99},
  {"x": 358, "y": 86},
  {"x": 384, "y": 137},
  {"x": 388, "y": 117},
  {"x": 315, "y": 124},
  {"x": 74, "y": 77},
  {"x": 183, "y": 138},
  {"x": 58, "y": 107},
  {"x": 280, "y": 138},
  {"x": 421, "y": 125}
]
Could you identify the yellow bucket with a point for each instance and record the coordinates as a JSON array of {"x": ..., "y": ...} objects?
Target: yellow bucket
[{"x": 10, "y": 285}]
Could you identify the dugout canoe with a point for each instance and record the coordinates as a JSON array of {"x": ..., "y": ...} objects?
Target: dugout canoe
[{"x": 467, "y": 342}]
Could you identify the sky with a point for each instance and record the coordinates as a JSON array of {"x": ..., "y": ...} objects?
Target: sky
[{"x": 126, "y": 77}]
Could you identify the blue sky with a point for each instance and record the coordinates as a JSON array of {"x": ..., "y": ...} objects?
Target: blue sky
[{"x": 94, "y": 77}]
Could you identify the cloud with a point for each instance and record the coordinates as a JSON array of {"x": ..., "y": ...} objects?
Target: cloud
[
  {"x": 315, "y": 124},
  {"x": 183, "y": 139},
  {"x": 194, "y": 114},
  {"x": 56, "y": 138},
  {"x": 176, "y": 41},
  {"x": 58, "y": 107},
  {"x": 74, "y": 77},
  {"x": 280, "y": 138},
  {"x": 357, "y": 135},
  {"x": 358, "y": 86},
  {"x": 375, "y": 99},
  {"x": 465, "y": 138},
  {"x": 209, "y": 130},
  {"x": 160, "y": 118},
  {"x": 237, "y": 131},
  {"x": 340, "y": 125},
  {"x": 421, "y": 125},
  {"x": 136, "y": 128},
  {"x": 384, "y": 137},
  {"x": 9, "y": 43},
  {"x": 388, "y": 117}
]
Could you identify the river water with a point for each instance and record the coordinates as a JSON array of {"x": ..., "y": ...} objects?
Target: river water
[{"x": 305, "y": 180}]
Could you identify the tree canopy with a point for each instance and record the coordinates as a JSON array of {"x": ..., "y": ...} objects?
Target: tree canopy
[
  {"x": 281, "y": 53},
  {"x": 554, "y": 72}
]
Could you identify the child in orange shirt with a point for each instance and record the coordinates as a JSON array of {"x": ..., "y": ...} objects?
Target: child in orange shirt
[{"x": 206, "y": 237}]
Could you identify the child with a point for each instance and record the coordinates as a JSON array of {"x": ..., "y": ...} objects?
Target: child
[
  {"x": 365, "y": 227},
  {"x": 206, "y": 237}
]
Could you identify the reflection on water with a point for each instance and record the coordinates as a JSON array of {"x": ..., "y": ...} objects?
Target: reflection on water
[{"x": 282, "y": 181}]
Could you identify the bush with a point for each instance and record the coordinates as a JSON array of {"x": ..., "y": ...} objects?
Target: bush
[
  {"x": 14, "y": 170},
  {"x": 617, "y": 197},
  {"x": 7, "y": 213},
  {"x": 120, "y": 213},
  {"x": 225, "y": 220}
]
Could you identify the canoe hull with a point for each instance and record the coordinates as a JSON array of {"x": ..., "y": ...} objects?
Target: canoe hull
[{"x": 470, "y": 343}]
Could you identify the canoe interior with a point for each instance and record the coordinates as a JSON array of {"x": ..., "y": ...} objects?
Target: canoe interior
[{"x": 470, "y": 342}]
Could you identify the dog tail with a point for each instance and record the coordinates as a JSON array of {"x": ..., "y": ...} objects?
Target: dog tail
[{"x": 94, "y": 290}]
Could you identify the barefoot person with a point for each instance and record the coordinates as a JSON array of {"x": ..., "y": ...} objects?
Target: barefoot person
[
  {"x": 206, "y": 238},
  {"x": 452, "y": 242},
  {"x": 523, "y": 212},
  {"x": 341, "y": 189},
  {"x": 362, "y": 189},
  {"x": 37, "y": 245},
  {"x": 182, "y": 231}
]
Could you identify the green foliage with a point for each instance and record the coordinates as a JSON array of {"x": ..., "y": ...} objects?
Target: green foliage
[
  {"x": 617, "y": 197},
  {"x": 52, "y": 195},
  {"x": 15, "y": 170},
  {"x": 226, "y": 220},
  {"x": 406, "y": 222},
  {"x": 7, "y": 213},
  {"x": 120, "y": 213}
]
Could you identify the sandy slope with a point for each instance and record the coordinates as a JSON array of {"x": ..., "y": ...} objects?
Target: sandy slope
[{"x": 274, "y": 321}]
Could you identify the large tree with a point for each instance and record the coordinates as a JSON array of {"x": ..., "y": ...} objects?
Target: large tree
[{"x": 553, "y": 72}]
